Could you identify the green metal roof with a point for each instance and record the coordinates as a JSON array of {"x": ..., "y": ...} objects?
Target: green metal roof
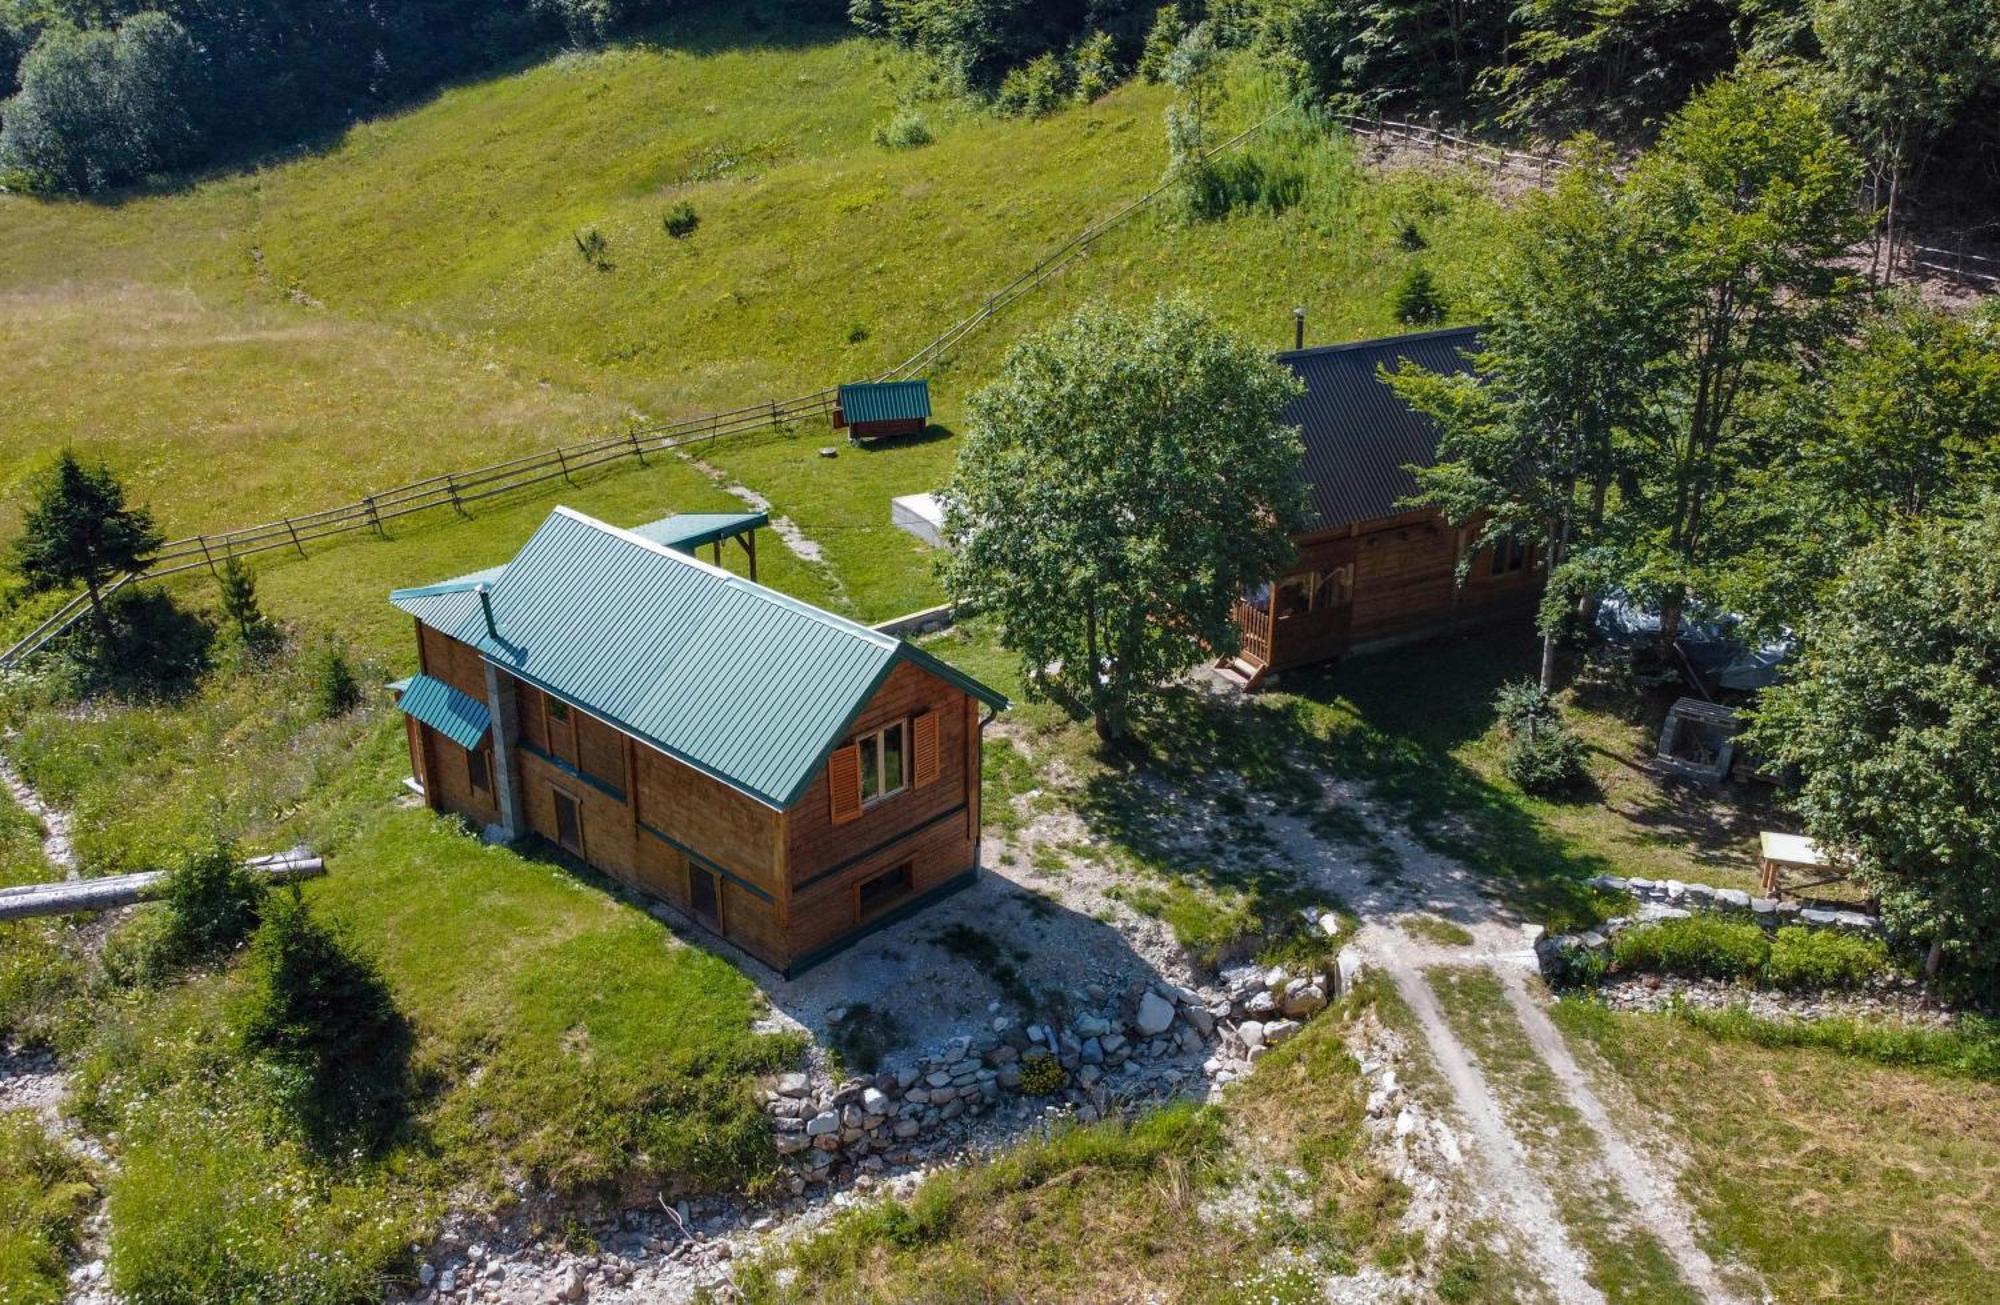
[
  {"x": 444, "y": 605},
  {"x": 885, "y": 400},
  {"x": 739, "y": 681},
  {"x": 688, "y": 531},
  {"x": 459, "y": 717}
]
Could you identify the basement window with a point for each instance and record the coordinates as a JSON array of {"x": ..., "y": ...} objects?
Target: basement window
[
  {"x": 883, "y": 770},
  {"x": 479, "y": 771},
  {"x": 875, "y": 895}
]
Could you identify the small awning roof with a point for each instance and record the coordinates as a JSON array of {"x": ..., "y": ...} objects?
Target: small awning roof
[
  {"x": 459, "y": 717},
  {"x": 686, "y": 531},
  {"x": 885, "y": 401}
]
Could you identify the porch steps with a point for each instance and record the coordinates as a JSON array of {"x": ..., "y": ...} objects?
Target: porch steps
[{"x": 1243, "y": 674}]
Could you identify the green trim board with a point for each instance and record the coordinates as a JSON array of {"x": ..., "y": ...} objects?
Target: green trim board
[
  {"x": 611, "y": 791},
  {"x": 964, "y": 879},
  {"x": 631, "y": 631},
  {"x": 708, "y": 863},
  {"x": 459, "y": 717},
  {"x": 686, "y": 531}
]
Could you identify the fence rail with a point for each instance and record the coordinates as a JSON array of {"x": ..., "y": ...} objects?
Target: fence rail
[{"x": 459, "y": 489}]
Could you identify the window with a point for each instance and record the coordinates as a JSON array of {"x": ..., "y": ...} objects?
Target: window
[
  {"x": 883, "y": 773},
  {"x": 1510, "y": 553},
  {"x": 1294, "y": 595},
  {"x": 479, "y": 769},
  {"x": 705, "y": 895},
  {"x": 558, "y": 712},
  {"x": 873, "y": 896},
  {"x": 569, "y": 822},
  {"x": 1333, "y": 588}
]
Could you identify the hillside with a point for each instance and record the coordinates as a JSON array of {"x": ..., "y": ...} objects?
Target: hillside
[{"x": 412, "y": 296}]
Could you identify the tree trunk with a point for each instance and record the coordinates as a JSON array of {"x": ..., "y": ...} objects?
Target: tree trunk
[
  {"x": 1100, "y": 706},
  {"x": 98, "y": 617},
  {"x": 1558, "y": 543},
  {"x": 1934, "y": 960}
]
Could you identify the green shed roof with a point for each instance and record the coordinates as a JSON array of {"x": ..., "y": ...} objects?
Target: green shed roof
[
  {"x": 885, "y": 401},
  {"x": 739, "y": 681},
  {"x": 444, "y": 605},
  {"x": 688, "y": 531},
  {"x": 458, "y": 716}
]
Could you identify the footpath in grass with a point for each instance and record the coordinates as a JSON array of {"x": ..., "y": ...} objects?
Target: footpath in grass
[
  {"x": 1837, "y": 1178},
  {"x": 1628, "y": 1263},
  {"x": 44, "y": 1194}
]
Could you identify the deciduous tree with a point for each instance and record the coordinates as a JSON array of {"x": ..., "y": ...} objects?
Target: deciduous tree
[
  {"x": 1121, "y": 483},
  {"x": 1892, "y": 716}
]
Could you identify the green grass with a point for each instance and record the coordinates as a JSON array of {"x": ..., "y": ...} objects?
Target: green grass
[
  {"x": 1433, "y": 929},
  {"x": 1969, "y": 1047},
  {"x": 1838, "y": 1179},
  {"x": 44, "y": 1193},
  {"x": 39, "y": 960},
  {"x": 1627, "y": 1262}
]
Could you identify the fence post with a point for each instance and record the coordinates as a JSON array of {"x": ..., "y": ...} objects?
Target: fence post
[
  {"x": 451, "y": 488},
  {"x": 292, "y": 529},
  {"x": 637, "y": 452},
  {"x": 206, "y": 556},
  {"x": 563, "y": 458},
  {"x": 374, "y": 517}
]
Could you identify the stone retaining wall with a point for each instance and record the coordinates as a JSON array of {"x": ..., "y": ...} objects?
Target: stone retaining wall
[
  {"x": 1670, "y": 899},
  {"x": 1141, "y": 1044}
]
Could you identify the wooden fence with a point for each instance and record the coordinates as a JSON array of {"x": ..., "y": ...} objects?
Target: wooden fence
[{"x": 459, "y": 489}]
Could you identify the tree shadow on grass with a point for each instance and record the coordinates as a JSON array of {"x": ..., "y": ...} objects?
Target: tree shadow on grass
[{"x": 1391, "y": 723}]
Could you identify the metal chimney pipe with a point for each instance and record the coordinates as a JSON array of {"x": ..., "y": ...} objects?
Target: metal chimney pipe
[
  {"x": 486, "y": 606},
  {"x": 1298, "y": 328}
]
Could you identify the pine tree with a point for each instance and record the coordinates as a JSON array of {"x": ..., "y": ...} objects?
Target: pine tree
[
  {"x": 79, "y": 531},
  {"x": 1417, "y": 301}
]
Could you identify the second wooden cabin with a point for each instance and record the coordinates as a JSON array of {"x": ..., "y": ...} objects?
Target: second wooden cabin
[
  {"x": 869, "y": 410},
  {"x": 1370, "y": 572}
]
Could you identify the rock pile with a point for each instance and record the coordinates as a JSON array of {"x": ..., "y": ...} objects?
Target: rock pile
[{"x": 1107, "y": 1055}]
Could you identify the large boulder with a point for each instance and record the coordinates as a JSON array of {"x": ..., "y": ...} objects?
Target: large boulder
[{"x": 1154, "y": 1015}]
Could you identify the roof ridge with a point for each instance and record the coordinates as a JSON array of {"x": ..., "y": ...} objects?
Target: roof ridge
[
  {"x": 730, "y": 580},
  {"x": 1352, "y": 346}
]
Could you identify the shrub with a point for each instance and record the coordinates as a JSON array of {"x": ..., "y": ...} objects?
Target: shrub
[
  {"x": 1543, "y": 756},
  {"x": 1168, "y": 29},
  {"x": 1035, "y": 89},
  {"x": 1548, "y": 762},
  {"x": 325, "y": 1026},
  {"x": 1970, "y": 1047},
  {"x": 862, "y": 1036},
  {"x": 593, "y": 248},
  {"x": 1409, "y": 236},
  {"x": 335, "y": 689},
  {"x": 681, "y": 220},
  {"x": 1042, "y": 1074},
  {"x": 239, "y": 604},
  {"x": 1093, "y": 67},
  {"x": 908, "y": 130},
  {"x": 1416, "y": 300},
  {"x": 1575, "y": 967},
  {"x": 213, "y": 902},
  {"x": 1699, "y": 947},
  {"x": 1816, "y": 958}
]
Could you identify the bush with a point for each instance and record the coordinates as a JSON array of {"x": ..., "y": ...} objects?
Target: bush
[
  {"x": 1093, "y": 67},
  {"x": 240, "y": 606},
  {"x": 1575, "y": 967},
  {"x": 1417, "y": 301},
  {"x": 1409, "y": 236},
  {"x": 336, "y": 691},
  {"x": 1042, "y": 1074},
  {"x": 1548, "y": 762},
  {"x": 593, "y": 248},
  {"x": 213, "y": 902},
  {"x": 1543, "y": 756},
  {"x": 1817, "y": 958},
  {"x": 1698, "y": 947},
  {"x": 1034, "y": 90},
  {"x": 326, "y": 1028},
  {"x": 159, "y": 650},
  {"x": 681, "y": 220},
  {"x": 1168, "y": 29},
  {"x": 906, "y": 131}
]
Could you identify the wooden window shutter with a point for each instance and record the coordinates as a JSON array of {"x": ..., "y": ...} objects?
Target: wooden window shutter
[
  {"x": 843, "y": 783},
  {"x": 924, "y": 748}
]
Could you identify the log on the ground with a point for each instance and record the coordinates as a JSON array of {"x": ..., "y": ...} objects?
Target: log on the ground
[{"x": 68, "y": 896}]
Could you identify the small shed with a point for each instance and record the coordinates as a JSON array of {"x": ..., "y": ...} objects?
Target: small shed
[{"x": 869, "y": 410}]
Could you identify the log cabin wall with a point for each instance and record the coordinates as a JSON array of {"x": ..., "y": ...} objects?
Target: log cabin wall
[
  {"x": 932, "y": 827},
  {"x": 444, "y": 658},
  {"x": 445, "y": 770}
]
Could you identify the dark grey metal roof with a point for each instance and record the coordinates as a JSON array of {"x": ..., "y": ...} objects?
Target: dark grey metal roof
[{"x": 1359, "y": 436}]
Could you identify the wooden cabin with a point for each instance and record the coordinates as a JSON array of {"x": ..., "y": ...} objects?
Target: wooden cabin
[
  {"x": 785, "y": 777},
  {"x": 870, "y": 410},
  {"x": 1369, "y": 572}
]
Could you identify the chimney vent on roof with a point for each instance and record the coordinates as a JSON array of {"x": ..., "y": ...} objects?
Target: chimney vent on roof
[
  {"x": 1299, "y": 328},
  {"x": 486, "y": 607}
]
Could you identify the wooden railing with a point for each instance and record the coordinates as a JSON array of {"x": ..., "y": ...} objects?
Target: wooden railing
[{"x": 1255, "y": 623}]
